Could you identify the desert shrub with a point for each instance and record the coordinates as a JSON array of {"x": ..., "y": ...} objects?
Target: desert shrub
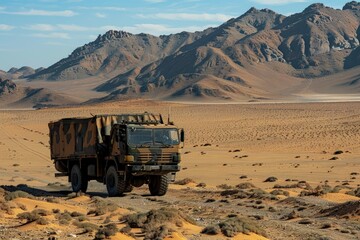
[
  {"x": 82, "y": 218},
  {"x": 285, "y": 186},
  {"x": 184, "y": 181},
  {"x": 17, "y": 194},
  {"x": 106, "y": 231},
  {"x": 318, "y": 191},
  {"x": 102, "y": 207},
  {"x": 157, "y": 233},
  {"x": 28, "y": 216},
  {"x": 42, "y": 221},
  {"x": 229, "y": 192},
  {"x": 5, "y": 206},
  {"x": 245, "y": 185},
  {"x": 235, "y": 225},
  {"x": 280, "y": 192},
  {"x": 87, "y": 226},
  {"x": 41, "y": 212},
  {"x": 224, "y": 186},
  {"x": 56, "y": 210},
  {"x": 64, "y": 218},
  {"x": 76, "y": 214},
  {"x": 126, "y": 230},
  {"x": 152, "y": 222},
  {"x": 261, "y": 194},
  {"x": 211, "y": 230},
  {"x": 354, "y": 192}
]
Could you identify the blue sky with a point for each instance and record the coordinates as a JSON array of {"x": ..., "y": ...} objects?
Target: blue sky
[{"x": 38, "y": 33}]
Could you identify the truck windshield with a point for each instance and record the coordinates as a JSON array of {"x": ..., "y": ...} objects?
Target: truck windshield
[{"x": 153, "y": 137}]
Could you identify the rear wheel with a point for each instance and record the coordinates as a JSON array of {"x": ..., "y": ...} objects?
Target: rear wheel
[
  {"x": 115, "y": 184},
  {"x": 78, "y": 179},
  {"x": 158, "y": 185}
]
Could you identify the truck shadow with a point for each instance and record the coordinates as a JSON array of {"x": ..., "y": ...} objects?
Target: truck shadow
[{"x": 38, "y": 192}]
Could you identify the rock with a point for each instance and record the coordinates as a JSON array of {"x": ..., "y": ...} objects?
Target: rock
[
  {"x": 271, "y": 179},
  {"x": 354, "y": 5},
  {"x": 7, "y": 86}
]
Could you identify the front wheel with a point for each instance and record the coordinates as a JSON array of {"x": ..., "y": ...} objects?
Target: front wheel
[
  {"x": 115, "y": 184},
  {"x": 158, "y": 185},
  {"x": 78, "y": 179}
]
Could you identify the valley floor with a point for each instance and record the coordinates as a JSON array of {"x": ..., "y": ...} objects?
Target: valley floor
[{"x": 230, "y": 152}]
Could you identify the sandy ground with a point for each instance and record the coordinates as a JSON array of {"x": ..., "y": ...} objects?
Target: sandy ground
[{"x": 244, "y": 143}]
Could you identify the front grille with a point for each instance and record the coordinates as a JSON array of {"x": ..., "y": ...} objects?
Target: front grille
[{"x": 158, "y": 158}]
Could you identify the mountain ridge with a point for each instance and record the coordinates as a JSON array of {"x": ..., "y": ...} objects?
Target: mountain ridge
[{"x": 319, "y": 41}]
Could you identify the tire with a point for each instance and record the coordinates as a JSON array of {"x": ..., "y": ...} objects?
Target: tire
[
  {"x": 115, "y": 184},
  {"x": 158, "y": 185},
  {"x": 128, "y": 188},
  {"x": 78, "y": 179}
]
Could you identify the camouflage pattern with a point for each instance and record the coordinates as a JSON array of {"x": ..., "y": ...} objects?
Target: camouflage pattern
[{"x": 94, "y": 138}]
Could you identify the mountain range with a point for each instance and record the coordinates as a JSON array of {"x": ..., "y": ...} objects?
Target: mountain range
[{"x": 259, "y": 55}]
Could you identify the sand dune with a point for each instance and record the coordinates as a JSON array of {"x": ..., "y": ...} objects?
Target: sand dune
[{"x": 310, "y": 151}]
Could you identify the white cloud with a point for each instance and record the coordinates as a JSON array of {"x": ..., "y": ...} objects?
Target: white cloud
[
  {"x": 35, "y": 12},
  {"x": 5, "y": 27},
  {"x": 52, "y": 35},
  {"x": 100, "y": 15},
  {"x": 278, "y": 2},
  {"x": 158, "y": 29},
  {"x": 41, "y": 27},
  {"x": 189, "y": 17}
]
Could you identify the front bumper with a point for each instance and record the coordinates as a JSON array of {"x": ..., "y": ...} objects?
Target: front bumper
[{"x": 146, "y": 169}]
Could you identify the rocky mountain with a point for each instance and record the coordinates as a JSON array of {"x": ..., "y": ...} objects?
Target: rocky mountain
[
  {"x": 12, "y": 95},
  {"x": 17, "y": 73},
  {"x": 257, "y": 55}
]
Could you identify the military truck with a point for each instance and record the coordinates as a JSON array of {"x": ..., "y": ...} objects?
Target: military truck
[{"x": 121, "y": 151}]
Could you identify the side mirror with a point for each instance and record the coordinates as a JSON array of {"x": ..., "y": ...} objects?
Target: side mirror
[{"x": 182, "y": 135}]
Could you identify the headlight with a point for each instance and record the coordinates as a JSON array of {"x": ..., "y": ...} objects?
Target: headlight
[{"x": 129, "y": 158}]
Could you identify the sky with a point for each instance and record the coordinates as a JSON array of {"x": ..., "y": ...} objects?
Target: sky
[{"x": 38, "y": 33}]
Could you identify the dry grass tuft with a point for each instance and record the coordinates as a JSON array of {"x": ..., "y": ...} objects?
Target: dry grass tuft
[
  {"x": 233, "y": 226},
  {"x": 155, "y": 223},
  {"x": 17, "y": 194}
]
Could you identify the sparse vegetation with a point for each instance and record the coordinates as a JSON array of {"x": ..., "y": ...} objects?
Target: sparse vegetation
[
  {"x": 224, "y": 186},
  {"x": 106, "y": 231},
  {"x": 17, "y": 194},
  {"x": 234, "y": 225},
  {"x": 87, "y": 226},
  {"x": 102, "y": 207},
  {"x": 245, "y": 185},
  {"x": 155, "y": 223}
]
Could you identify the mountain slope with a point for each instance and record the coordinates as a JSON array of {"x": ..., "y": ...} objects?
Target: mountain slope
[
  {"x": 12, "y": 95},
  {"x": 260, "y": 54}
]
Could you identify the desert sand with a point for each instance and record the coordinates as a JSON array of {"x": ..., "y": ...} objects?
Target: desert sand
[{"x": 291, "y": 170}]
